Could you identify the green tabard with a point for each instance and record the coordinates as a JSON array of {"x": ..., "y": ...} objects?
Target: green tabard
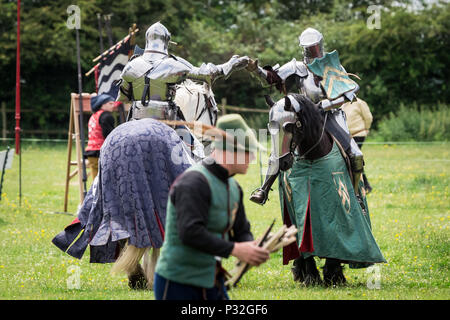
[
  {"x": 187, "y": 265},
  {"x": 337, "y": 226}
]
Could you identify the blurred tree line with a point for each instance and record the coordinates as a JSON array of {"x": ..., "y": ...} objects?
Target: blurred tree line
[{"x": 405, "y": 61}]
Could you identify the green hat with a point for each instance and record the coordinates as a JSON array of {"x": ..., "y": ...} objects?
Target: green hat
[{"x": 239, "y": 135}]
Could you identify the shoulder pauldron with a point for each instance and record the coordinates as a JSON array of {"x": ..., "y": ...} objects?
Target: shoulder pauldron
[{"x": 290, "y": 68}]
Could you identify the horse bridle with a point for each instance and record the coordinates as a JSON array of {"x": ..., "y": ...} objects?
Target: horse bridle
[{"x": 208, "y": 106}]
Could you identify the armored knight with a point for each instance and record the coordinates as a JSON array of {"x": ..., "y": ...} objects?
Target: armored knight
[
  {"x": 321, "y": 78},
  {"x": 148, "y": 80}
]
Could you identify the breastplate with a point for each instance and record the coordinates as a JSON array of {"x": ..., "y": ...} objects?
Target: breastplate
[{"x": 311, "y": 88}]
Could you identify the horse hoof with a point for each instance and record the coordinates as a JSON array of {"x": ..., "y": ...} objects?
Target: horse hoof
[
  {"x": 312, "y": 280},
  {"x": 299, "y": 269},
  {"x": 335, "y": 282},
  {"x": 333, "y": 274},
  {"x": 334, "y": 279},
  {"x": 297, "y": 274},
  {"x": 137, "y": 282},
  {"x": 311, "y": 274}
]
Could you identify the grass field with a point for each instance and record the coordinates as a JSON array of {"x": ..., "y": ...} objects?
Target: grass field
[{"x": 410, "y": 212}]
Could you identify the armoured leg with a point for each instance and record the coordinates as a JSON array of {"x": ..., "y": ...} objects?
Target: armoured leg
[
  {"x": 341, "y": 132},
  {"x": 357, "y": 163},
  {"x": 261, "y": 194}
]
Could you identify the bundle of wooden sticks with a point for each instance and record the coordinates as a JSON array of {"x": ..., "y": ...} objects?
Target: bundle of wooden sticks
[{"x": 270, "y": 241}]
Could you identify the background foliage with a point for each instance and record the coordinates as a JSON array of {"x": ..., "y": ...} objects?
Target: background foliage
[
  {"x": 413, "y": 124},
  {"x": 404, "y": 62}
]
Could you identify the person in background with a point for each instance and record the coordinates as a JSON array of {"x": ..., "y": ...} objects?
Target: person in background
[
  {"x": 359, "y": 120},
  {"x": 100, "y": 124},
  {"x": 206, "y": 221}
]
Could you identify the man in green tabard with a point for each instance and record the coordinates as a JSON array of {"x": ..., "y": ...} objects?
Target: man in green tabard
[{"x": 206, "y": 220}]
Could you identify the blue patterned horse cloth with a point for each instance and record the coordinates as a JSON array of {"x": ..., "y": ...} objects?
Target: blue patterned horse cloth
[{"x": 139, "y": 161}]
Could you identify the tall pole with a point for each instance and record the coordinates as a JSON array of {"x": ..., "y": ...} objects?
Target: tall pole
[
  {"x": 3, "y": 170},
  {"x": 17, "y": 117},
  {"x": 80, "y": 99},
  {"x": 108, "y": 29},
  {"x": 100, "y": 39}
]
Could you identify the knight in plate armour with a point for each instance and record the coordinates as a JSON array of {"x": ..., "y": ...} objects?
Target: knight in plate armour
[
  {"x": 322, "y": 79},
  {"x": 149, "y": 80}
]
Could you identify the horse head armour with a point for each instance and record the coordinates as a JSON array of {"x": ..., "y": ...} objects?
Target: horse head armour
[{"x": 288, "y": 126}]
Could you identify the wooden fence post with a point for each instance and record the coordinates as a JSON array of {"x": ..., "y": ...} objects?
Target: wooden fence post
[{"x": 224, "y": 106}]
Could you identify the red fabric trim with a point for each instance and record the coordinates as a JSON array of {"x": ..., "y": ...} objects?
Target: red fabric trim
[
  {"x": 161, "y": 229},
  {"x": 96, "y": 74},
  {"x": 307, "y": 240},
  {"x": 75, "y": 221},
  {"x": 72, "y": 224},
  {"x": 290, "y": 252}
]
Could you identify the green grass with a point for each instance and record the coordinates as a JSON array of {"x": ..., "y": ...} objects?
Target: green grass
[{"x": 409, "y": 208}]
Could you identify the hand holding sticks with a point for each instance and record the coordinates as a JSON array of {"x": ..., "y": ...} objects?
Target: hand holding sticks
[{"x": 270, "y": 241}]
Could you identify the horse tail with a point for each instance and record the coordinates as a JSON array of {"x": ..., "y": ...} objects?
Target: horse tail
[{"x": 128, "y": 260}]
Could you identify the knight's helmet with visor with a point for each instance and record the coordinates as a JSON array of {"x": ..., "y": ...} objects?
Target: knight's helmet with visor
[
  {"x": 311, "y": 41},
  {"x": 157, "y": 38}
]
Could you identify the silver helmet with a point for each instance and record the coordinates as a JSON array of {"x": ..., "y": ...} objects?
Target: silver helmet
[
  {"x": 312, "y": 42},
  {"x": 157, "y": 38}
]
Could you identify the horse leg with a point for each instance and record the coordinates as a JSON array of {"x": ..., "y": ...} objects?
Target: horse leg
[
  {"x": 332, "y": 273},
  {"x": 305, "y": 271},
  {"x": 299, "y": 269},
  {"x": 128, "y": 262},
  {"x": 149, "y": 266},
  {"x": 312, "y": 275},
  {"x": 136, "y": 279}
]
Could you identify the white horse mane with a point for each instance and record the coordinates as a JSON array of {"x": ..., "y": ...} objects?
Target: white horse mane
[
  {"x": 189, "y": 87},
  {"x": 190, "y": 97}
]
